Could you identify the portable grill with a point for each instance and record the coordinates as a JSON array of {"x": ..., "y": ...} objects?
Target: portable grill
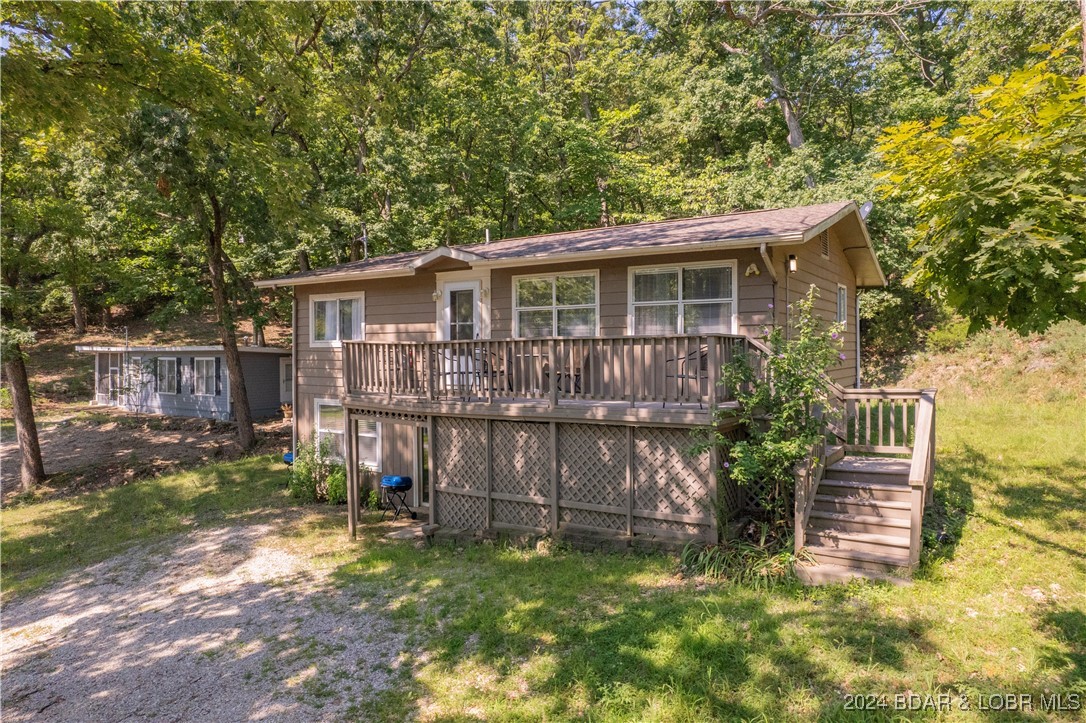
[{"x": 396, "y": 488}]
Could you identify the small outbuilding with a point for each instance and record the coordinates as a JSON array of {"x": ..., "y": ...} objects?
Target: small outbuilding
[{"x": 189, "y": 381}]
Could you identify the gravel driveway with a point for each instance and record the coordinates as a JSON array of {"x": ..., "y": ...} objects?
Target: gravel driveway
[{"x": 213, "y": 625}]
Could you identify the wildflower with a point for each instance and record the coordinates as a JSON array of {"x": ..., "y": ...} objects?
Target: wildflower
[
  {"x": 771, "y": 306},
  {"x": 833, "y": 335},
  {"x": 726, "y": 465},
  {"x": 842, "y": 357}
]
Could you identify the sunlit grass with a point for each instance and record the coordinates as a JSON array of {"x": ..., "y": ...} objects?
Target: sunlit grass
[{"x": 44, "y": 540}]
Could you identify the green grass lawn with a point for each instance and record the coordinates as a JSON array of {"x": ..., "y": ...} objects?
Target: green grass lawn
[
  {"x": 507, "y": 634},
  {"x": 41, "y": 541}
]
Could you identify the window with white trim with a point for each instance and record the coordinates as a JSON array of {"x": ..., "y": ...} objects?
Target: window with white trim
[
  {"x": 204, "y": 381},
  {"x": 330, "y": 429},
  {"x": 335, "y": 318},
  {"x": 842, "y": 304},
  {"x": 166, "y": 376},
  {"x": 682, "y": 300},
  {"x": 369, "y": 444},
  {"x": 556, "y": 305}
]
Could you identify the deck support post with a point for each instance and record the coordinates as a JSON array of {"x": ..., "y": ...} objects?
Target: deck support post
[
  {"x": 714, "y": 487},
  {"x": 352, "y": 476},
  {"x": 554, "y": 476},
  {"x": 489, "y": 470},
  {"x": 629, "y": 480}
]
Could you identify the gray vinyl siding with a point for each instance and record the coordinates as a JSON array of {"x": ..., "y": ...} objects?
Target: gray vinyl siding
[
  {"x": 146, "y": 398},
  {"x": 261, "y": 373},
  {"x": 261, "y": 383}
]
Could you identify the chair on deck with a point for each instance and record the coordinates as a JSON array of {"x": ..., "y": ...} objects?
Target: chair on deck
[{"x": 693, "y": 366}]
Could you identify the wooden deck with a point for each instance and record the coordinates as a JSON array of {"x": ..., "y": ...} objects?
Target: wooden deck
[{"x": 670, "y": 380}]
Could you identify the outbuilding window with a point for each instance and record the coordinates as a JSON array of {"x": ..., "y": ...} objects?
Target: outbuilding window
[
  {"x": 166, "y": 381},
  {"x": 204, "y": 380}
]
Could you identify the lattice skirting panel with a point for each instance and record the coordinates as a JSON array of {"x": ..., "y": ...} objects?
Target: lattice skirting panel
[{"x": 634, "y": 481}]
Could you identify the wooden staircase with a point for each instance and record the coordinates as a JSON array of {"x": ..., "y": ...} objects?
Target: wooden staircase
[
  {"x": 860, "y": 516},
  {"x": 859, "y": 524}
]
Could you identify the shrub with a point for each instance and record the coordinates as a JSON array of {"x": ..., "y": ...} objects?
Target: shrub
[
  {"x": 337, "y": 486},
  {"x": 776, "y": 407},
  {"x": 316, "y": 476}
]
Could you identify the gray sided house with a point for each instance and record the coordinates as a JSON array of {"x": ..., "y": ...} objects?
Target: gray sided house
[
  {"x": 551, "y": 383},
  {"x": 188, "y": 381}
]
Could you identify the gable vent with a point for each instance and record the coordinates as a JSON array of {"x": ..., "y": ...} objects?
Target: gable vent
[{"x": 824, "y": 239}]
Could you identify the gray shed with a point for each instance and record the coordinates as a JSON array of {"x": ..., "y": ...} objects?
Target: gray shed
[{"x": 188, "y": 381}]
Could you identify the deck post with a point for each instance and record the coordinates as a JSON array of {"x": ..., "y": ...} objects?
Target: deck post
[
  {"x": 431, "y": 437},
  {"x": 554, "y": 476},
  {"x": 629, "y": 480},
  {"x": 714, "y": 486},
  {"x": 352, "y": 475},
  {"x": 552, "y": 353},
  {"x": 714, "y": 371},
  {"x": 489, "y": 470}
]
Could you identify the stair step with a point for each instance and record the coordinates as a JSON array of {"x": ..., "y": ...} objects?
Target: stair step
[
  {"x": 863, "y": 506},
  {"x": 859, "y": 541},
  {"x": 871, "y": 490},
  {"x": 876, "y": 520},
  {"x": 830, "y": 574},
  {"x": 871, "y": 468},
  {"x": 878, "y": 561},
  {"x": 879, "y": 465}
]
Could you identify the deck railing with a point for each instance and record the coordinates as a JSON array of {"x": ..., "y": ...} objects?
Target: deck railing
[
  {"x": 662, "y": 370},
  {"x": 874, "y": 421},
  {"x": 921, "y": 470}
]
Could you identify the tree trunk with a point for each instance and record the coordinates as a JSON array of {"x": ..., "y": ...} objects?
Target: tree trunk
[
  {"x": 223, "y": 309},
  {"x": 32, "y": 469},
  {"x": 107, "y": 316},
  {"x": 258, "y": 335},
  {"x": 784, "y": 101},
  {"x": 79, "y": 311},
  {"x": 303, "y": 260}
]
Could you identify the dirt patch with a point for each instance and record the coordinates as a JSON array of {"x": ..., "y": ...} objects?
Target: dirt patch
[
  {"x": 105, "y": 447},
  {"x": 218, "y": 624}
]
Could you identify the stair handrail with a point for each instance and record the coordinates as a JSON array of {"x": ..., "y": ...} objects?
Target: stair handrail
[{"x": 921, "y": 469}]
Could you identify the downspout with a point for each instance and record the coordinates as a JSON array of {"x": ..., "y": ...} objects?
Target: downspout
[
  {"x": 293, "y": 370},
  {"x": 773, "y": 274},
  {"x": 858, "y": 338}
]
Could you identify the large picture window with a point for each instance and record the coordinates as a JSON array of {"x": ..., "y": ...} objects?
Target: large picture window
[
  {"x": 331, "y": 426},
  {"x": 682, "y": 300},
  {"x": 204, "y": 382},
  {"x": 557, "y": 305},
  {"x": 166, "y": 376},
  {"x": 336, "y": 318}
]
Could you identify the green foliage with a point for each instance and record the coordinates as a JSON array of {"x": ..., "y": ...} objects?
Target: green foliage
[
  {"x": 758, "y": 558},
  {"x": 1001, "y": 197},
  {"x": 372, "y": 500},
  {"x": 948, "y": 336},
  {"x": 337, "y": 486},
  {"x": 316, "y": 476},
  {"x": 776, "y": 399}
]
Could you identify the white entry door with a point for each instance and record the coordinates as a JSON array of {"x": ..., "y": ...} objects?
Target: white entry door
[{"x": 460, "y": 311}]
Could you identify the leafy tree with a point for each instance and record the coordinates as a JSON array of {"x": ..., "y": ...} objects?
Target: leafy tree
[{"x": 1001, "y": 198}]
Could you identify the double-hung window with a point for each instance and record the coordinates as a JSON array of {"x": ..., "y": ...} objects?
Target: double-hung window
[
  {"x": 166, "y": 376},
  {"x": 204, "y": 382},
  {"x": 842, "y": 304},
  {"x": 696, "y": 299},
  {"x": 336, "y": 318},
  {"x": 330, "y": 431},
  {"x": 556, "y": 305}
]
